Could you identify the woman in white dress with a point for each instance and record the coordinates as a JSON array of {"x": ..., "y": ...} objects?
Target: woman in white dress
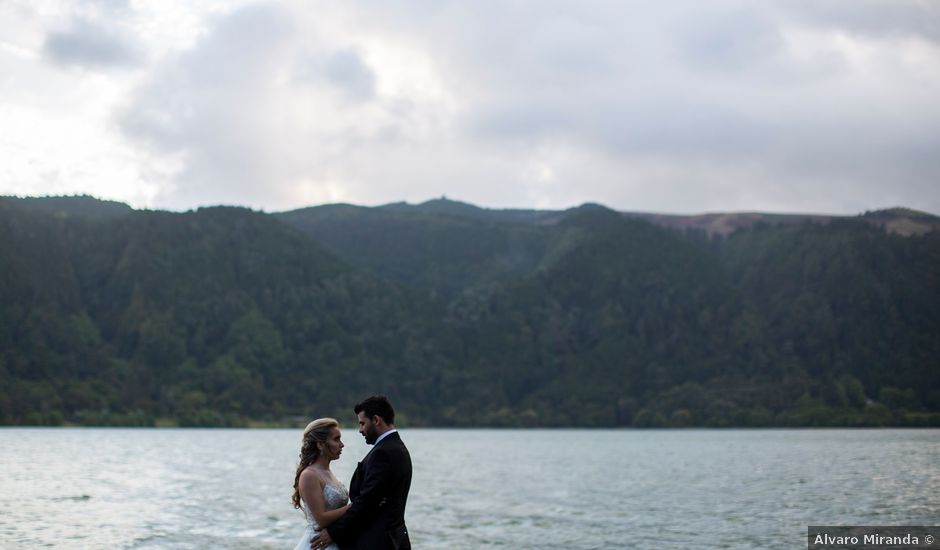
[{"x": 317, "y": 492}]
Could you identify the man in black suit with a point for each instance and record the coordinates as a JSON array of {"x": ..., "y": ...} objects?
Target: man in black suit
[{"x": 379, "y": 488}]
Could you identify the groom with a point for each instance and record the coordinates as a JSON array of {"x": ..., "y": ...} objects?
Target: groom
[{"x": 379, "y": 488}]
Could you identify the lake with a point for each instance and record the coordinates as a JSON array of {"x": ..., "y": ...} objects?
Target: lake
[{"x": 227, "y": 488}]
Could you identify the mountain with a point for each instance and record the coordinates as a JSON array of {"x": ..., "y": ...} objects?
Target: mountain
[
  {"x": 205, "y": 317},
  {"x": 82, "y": 206},
  {"x": 455, "y": 209},
  {"x": 616, "y": 312},
  {"x": 903, "y": 221},
  {"x": 738, "y": 304},
  {"x": 467, "y": 316},
  {"x": 423, "y": 247}
]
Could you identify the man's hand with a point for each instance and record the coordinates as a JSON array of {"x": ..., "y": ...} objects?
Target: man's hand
[{"x": 321, "y": 540}]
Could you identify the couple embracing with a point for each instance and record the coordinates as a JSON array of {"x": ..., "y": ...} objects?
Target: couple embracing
[{"x": 375, "y": 519}]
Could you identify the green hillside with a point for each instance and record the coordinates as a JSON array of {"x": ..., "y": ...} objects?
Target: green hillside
[
  {"x": 424, "y": 248},
  {"x": 464, "y": 316},
  {"x": 209, "y": 317}
]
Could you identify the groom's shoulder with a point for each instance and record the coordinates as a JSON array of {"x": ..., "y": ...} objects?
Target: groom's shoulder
[
  {"x": 395, "y": 453},
  {"x": 392, "y": 444},
  {"x": 390, "y": 440}
]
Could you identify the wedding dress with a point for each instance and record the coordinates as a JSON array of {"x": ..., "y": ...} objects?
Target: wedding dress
[{"x": 335, "y": 496}]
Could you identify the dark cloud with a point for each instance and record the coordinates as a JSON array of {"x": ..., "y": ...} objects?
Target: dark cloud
[
  {"x": 730, "y": 40},
  {"x": 344, "y": 69},
  {"x": 88, "y": 44},
  {"x": 895, "y": 18},
  {"x": 347, "y": 70}
]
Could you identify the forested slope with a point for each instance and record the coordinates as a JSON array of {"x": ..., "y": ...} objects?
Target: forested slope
[{"x": 464, "y": 316}]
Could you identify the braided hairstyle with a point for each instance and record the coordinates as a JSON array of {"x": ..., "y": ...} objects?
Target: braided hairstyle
[{"x": 316, "y": 432}]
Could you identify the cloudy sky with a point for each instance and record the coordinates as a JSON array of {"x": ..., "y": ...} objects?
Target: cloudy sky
[{"x": 670, "y": 106}]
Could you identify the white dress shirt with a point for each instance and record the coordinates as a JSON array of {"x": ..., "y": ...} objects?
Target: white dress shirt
[{"x": 381, "y": 437}]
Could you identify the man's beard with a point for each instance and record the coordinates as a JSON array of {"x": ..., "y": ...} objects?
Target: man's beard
[{"x": 371, "y": 436}]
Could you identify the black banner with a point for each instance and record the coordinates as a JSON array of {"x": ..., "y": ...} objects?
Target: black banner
[{"x": 872, "y": 537}]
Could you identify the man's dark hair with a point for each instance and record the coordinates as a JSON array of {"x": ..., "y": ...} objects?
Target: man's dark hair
[{"x": 377, "y": 405}]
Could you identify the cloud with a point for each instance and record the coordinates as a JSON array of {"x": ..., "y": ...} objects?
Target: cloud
[
  {"x": 345, "y": 70},
  {"x": 261, "y": 109},
  {"x": 214, "y": 108},
  {"x": 772, "y": 105},
  {"x": 730, "y": 40},
  {"x": 89, "y": 44},
  {"x": 899, "y": 18},
  {"x": 672, "y": 107}
]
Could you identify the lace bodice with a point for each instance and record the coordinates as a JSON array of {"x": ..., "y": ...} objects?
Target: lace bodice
[{"x": 335, "y": 496}]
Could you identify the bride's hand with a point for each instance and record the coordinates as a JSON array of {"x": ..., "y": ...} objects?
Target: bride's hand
[{"x": 321, "y": 540}]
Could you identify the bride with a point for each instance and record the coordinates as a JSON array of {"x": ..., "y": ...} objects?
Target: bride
[{"x": 316, "y": 490}]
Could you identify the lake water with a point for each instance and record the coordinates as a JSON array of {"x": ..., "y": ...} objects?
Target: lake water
[{"x": 164, "y": 488}]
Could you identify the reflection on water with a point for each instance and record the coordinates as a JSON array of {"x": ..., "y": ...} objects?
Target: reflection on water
[{"x": 140, "y": 488}]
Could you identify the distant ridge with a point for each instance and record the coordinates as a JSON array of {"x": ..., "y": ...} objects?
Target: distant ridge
[
  {"x": 901, "y": 221},
  {"x": 898, "y": 220},
  {"x": 448, "y": 207},
  {"x": 80, "y": 206}
]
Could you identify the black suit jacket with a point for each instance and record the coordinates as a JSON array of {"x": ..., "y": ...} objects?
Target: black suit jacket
[{"x": 379, "y": 491}]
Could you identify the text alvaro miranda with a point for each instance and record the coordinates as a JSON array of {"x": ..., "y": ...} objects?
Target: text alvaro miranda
[{"x": 874, "y": 538}]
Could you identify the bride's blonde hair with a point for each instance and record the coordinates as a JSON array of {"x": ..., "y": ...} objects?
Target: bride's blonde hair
[{"x": 316, "y": 432}]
